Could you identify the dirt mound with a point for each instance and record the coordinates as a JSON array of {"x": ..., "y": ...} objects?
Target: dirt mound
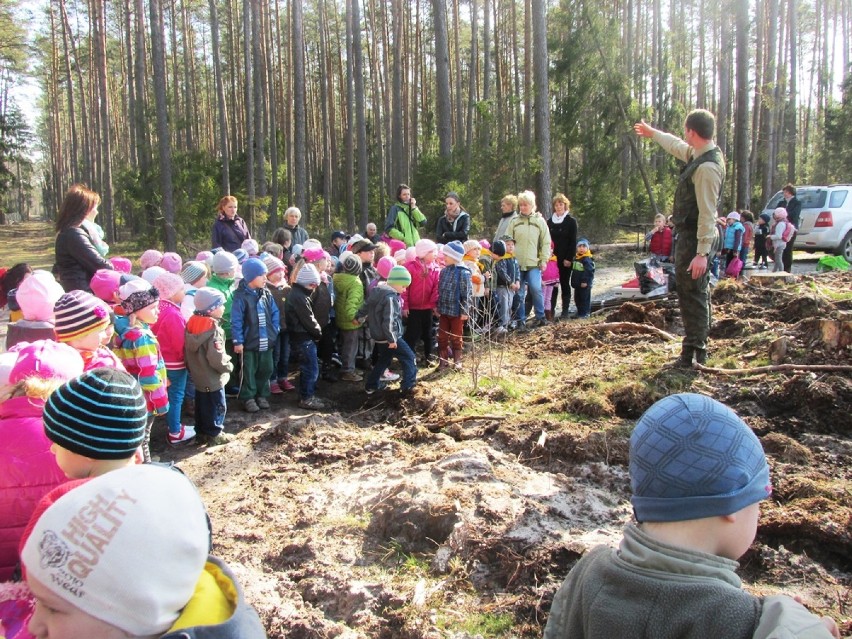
[{"x": 460, "y": 508}]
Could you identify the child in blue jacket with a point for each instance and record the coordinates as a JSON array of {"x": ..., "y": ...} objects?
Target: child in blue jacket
[
  {"x": 255, "y": 323},
  {"x": 582, "y": 277}
]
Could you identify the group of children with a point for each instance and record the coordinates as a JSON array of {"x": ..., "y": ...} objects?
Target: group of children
[{"x": 739, "y": 232}]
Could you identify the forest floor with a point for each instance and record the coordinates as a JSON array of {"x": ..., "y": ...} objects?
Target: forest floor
[{"x": 458, "y": 511}]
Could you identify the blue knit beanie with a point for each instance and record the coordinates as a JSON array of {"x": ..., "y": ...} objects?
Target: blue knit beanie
[
  {"x": 252, "y": 268},
  {"x": 692, "y": 457}
]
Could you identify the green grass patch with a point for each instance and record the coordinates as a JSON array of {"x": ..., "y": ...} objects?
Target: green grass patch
[{"x": 486, "y": 624}]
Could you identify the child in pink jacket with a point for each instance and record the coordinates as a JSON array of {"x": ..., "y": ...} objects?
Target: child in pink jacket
[{"x": 420, "y": 299}]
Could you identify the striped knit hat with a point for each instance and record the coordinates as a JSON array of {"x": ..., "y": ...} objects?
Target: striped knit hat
[
  {"x": 78, "y": 314},
  {"x": 101, "y": 415},
  {"x": 193, "y": 271},
  {"x": 399, "y": 276}
]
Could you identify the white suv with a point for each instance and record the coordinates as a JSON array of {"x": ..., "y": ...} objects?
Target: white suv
[{"x": 826, "y": 220}]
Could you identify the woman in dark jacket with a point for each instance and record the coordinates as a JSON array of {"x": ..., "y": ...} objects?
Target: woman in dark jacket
[
  {"x": 563, "y": 232},
  {"x": 229, "y": 230},
  {"x": 455, "y": 223},
  {"x": 77, "y": 259}
]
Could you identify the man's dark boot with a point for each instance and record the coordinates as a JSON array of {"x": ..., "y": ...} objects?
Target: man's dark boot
[{"x": 685, "y": 359}]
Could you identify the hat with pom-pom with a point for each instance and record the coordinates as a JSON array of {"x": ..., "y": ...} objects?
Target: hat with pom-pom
[{"x": 78, "y": 314}]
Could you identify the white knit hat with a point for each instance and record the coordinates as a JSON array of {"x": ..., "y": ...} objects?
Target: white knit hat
[{"x": 127, "y": 547}]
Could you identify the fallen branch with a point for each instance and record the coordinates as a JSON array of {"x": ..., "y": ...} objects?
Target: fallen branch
[
  {"x": 632, "y": 327},
  {"x": 470, "y": 418},
  {"x": 777, "y": 368}
]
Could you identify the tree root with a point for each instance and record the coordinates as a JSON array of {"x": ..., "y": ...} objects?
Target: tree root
[
  {"x": 632, "y": 327},
  {"x": 777, "y": 368}
]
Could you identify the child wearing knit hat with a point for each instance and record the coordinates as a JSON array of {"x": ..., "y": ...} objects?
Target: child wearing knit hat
[
  {"x": 36, "y": 296},
  {"x": 349, "y": 296},
  {"x": 169, "y": 330},
  {"x": 224, "y": 267},
  {"x": 209, "y": 365},
  {"x": 194, "y": 275},
  {"x": 384, "y": 319},
  {"x": 151, "y": 257},
  {"x": 420, "y": 299},
  {"x": 126, "y": 555},
  {"x": 96, "y": 422},
  {"x": 84, "y": 323},
  {"x": 138, "y": 349},
  {"x": 582, "y": 278},
  {"x": 698, "y": 475},
  {"x": 305, "y": 331},
  {"x": 255, "y": 323},
  {"x": 454, "y": 303},
  {"x": 278, "y": 287},
  {"x": 28, "y": 470}
]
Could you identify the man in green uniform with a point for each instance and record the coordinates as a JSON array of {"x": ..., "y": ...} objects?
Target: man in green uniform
[{"x": 694, "y": 218}]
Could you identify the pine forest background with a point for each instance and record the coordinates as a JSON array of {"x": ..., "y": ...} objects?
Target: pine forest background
[{"x": 163, "y": 106}]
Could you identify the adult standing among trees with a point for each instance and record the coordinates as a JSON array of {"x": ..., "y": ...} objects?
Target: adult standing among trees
[
  {"x": 77, "y": 259},
  {"x": 508, "y": 212},
  {"x": 454, "y": 224},
  {"x": 229, "y": 229},
  {"x": 404, "y": 217},
  {"x": 694, "y": 216},
  {"x": 292, "y": 217},
  {"x": 794, "y": 212},
  {"x": 563, "y": 232},
  {"x": 532, "y": 250}
]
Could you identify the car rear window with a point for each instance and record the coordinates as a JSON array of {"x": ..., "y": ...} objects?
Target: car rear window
[
  {"x": 812, "y": 198},
  {"x": 837, "y": 198}
]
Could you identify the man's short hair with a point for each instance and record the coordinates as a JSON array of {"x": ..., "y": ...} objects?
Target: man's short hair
[
  {"x": 790, "y": 189},
  {"x": 702, "y": 122}
]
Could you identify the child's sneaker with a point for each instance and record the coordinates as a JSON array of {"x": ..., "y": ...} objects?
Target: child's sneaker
[
  {"x": 183, "y": 436},
  {"x": 262, "y": 402},
  {"x": 275, "y": 389},
  {"x": 286, "y": 385},
  {"x": 251, "y": 406},
  {"x": 389, "y": 376},
  {"x": 214, "y": 440},
  {"x": 371, "y": 391},
  {"x": 314, "y": 403}
]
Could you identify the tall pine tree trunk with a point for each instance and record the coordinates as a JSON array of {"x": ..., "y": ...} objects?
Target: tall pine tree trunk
[
  {"x": 443, "y": 105},
  {"x": 542, "y": 103},
  {"x": 222, "y": 108},
  {"x": 299, "y": 110},
  {"x": 741, "y": 154},
  {"x": 158, "y": 59}
]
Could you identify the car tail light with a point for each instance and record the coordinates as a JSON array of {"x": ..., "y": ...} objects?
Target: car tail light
[{"x": 823, "y": 220}]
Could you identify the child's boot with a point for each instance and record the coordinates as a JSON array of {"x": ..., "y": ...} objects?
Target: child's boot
[{"x": 457, "y": 360}]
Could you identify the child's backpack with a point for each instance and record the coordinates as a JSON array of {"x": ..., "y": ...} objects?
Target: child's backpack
[{"x": 788, "y": 231}]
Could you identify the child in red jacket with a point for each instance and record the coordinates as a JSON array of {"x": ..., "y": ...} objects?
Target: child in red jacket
[
  {"x": 420, "y": 299},
  {"x": 169, "y": 330}
]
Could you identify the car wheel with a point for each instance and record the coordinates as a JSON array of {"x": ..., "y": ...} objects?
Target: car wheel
[{"x": 845, "y": 248}]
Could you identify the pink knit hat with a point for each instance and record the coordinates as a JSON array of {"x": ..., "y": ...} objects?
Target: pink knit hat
[
  {"x": 37, "y": 294},
  {"x": 424, "y": 247},
  {"x": 46, "y": 359},
  {"x": 313, "y": 254},
  {"x": 172, "y": 262},
  {"x": 151, "y": 257},
  {"x": 168, "y": 284},
  {"x": 121, "y": 264},
  {"x": 396, "y": 245},
  {"x": 105, "y": 284},
  {"x": 384, "y": 266}
]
